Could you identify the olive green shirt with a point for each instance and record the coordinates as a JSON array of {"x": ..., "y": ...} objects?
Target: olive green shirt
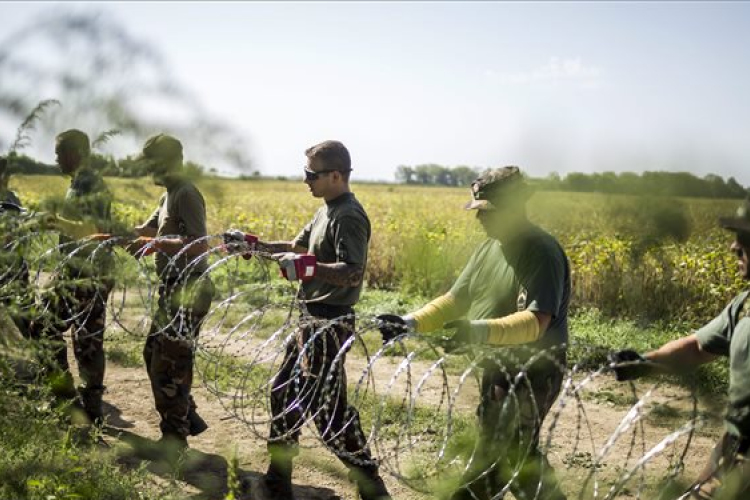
[
  {"x": 728, "y": 334},
  {"x": 181, "y": 213},
  {"x": 88, "y": 199},
  {"x": 531, "y": 273},
  {"x": 339, "y": 232}
]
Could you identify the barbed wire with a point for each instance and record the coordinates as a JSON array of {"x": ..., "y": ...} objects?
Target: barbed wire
[{"x": 417, "y": 403}]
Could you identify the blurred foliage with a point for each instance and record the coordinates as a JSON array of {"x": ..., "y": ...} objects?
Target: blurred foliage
[
  {"x": 645, "y": 184},
  {"x": 105, "y": 80}
]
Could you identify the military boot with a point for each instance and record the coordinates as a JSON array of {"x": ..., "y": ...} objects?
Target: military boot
[
  {"x": 92, "y": 403},
  {"x": 277, "y": 482},
  {"x": 196, "y": 422},
  {"x": 369, "y": 483}
]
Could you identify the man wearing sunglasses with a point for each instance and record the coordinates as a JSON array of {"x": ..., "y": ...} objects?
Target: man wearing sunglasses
[
  {"x": 509, "y": 307},
  {"x": 727, "y": 473},
  {"x": 329, "y": 257}
]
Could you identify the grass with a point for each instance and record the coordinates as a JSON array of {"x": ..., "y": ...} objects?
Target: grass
[{"x": 44, "y": 455}]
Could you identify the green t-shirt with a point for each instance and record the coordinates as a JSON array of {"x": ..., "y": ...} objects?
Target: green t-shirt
[
  {"x": 728, "y": 334},
  {"x": 532, "y": 273},
  {"x": 88, "y": 199},
  {"x": 339, "y": 232},
  {"x": 181, "y": 212}
]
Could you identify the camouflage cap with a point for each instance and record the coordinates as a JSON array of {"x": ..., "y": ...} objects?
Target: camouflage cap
[
  {"x": 75, "y": 139},
  {"x": 162, "y": 147},
  {"x": 741, "y": 219},
  {"x": 497, "y": 186}
]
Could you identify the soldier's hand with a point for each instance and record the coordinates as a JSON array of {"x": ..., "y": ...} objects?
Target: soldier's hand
[
  {"x": 238, "y": 241},
  {"x": 391, "y": 326},
  {"x": 45, "y": 220},
  {"x": 142, "y": 246},
  {"x": 466, "y": 334},
  {"x": 629, "y": 365},
  {"x": 297, "y": 267}
]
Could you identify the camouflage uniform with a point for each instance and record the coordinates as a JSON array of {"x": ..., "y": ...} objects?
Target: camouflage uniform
[
  {"x": 309, "y": 382},
  {"x": 15, "y": 293},
  {"x": 185, "y": 294},
  {"x": 81, "y": 288}
]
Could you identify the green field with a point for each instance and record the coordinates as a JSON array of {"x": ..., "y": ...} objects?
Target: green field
[{"x": 645, "y": 259}]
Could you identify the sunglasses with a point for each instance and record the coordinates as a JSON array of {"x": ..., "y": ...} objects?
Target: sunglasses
[{"x": 312, "y": 175}]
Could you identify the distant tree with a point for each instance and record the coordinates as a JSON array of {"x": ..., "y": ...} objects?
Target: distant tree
[{"x": 404, "y": 174}]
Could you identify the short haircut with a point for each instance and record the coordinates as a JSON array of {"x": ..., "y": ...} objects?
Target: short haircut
[
  {"x": 77, "y": 140},
  {"x": 334, "y": 155}
]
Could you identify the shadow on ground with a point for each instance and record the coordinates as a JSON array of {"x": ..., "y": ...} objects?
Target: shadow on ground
[{"x": 205, "y": 471}]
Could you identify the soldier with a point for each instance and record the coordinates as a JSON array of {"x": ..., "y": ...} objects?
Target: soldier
[
  {"x": 514, "y": 292},
  {"x": 329, "y": 256},
  {"x": 81, "y": 288},
  {"x": 727, "y": 472},
  {"x": 15, "y": 293},
  {"x": 176, "y": 232}
]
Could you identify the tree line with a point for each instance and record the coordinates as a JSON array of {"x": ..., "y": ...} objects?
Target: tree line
[{"x": 646, "y": 183}]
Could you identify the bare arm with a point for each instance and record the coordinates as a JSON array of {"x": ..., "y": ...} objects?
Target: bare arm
[
  {"x": 680, "y": 353},
  {"x": 279, "y": 247},
  {"x": 340, "y": 273},
  {"x": 173, "y": 246}
]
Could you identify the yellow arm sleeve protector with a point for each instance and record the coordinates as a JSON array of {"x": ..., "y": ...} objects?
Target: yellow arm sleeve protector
[
  {"x": 434, "y": 314},
  {"x": 516, "y": 328}
]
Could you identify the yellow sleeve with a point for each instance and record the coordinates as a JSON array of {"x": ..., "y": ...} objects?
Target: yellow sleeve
[
  {"x": 434, "y": 314},
  {"x": 517, "y": 328}
]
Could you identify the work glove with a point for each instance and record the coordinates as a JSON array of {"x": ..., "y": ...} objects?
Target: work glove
[
  {"x": 629, "y": 365},
  {"x": 467, "y": 333},
  {"x": 235, "y": 241},
  {"x": 391, "y": 326},
  {"x": 142, "y": 246},
  {"x": 297, "y": 267}
]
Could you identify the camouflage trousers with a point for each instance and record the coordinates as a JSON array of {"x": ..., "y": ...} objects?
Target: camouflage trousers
[
  {"x": 78, "y": 304},
  {"x": 506, "y": 455},
  {"x": 169, "y": 352},
  {"x": 312, "y": 381},
  {"x": 726, "y": 476}
]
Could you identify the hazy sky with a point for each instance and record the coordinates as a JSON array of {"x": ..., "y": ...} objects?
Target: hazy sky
[{"x": 547, "y": 86}]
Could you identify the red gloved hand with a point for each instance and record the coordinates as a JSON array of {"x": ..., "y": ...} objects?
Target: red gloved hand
[
  {"x": 235, "y": 240},
  {"x": 296, "y": 267},
  {"x": 142, "y": 246}
]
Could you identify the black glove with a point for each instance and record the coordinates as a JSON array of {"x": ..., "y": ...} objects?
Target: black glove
[
  {"x": 391, "y": 326},
  {"x": 629, "y": 365}
]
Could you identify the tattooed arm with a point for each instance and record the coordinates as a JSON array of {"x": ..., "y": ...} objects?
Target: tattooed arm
[
  {"x": 279, "y": 247},
  {"x": 340, "y": 273}
]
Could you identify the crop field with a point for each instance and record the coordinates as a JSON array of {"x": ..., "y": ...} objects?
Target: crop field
[{"x": 638, "y": 258}]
